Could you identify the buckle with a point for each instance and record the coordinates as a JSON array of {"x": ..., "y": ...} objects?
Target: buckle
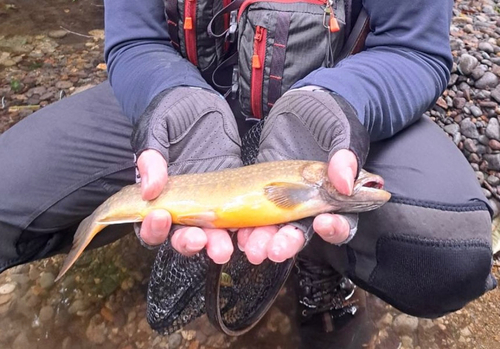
[
  {"x": 233, "y": 27},
  {"x": 234, "y": 80}
]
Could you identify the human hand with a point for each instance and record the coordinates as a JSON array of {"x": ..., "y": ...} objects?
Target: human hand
[
  {"x": 291, "y": 132},
  {"x": 174, "y": 136}
]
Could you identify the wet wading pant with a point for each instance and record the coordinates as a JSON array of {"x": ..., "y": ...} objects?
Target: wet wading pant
[{"x": 427, "y": 251}]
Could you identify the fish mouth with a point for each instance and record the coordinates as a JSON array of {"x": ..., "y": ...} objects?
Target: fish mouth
[{"x": 368, "y": 181}]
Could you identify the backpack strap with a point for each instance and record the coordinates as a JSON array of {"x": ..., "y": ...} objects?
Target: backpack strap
[
  {"x": 172, "y": 21},
  {"x": 356, "y": 40}
]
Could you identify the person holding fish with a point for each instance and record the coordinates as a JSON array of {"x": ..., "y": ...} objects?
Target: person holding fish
[{"x": 427, "y": 251}]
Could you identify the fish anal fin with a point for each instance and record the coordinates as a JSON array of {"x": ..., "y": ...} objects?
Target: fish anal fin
[
  {"x": 287, "y": 195},
  {"x": 120, "y": 219},
  {"x": 199, "y": 219}
]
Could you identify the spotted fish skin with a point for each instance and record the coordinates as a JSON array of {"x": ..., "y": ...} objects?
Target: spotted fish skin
[{"x": 256, "y": 195}]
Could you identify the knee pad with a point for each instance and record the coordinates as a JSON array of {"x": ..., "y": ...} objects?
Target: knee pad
[{"x": 429, "y": 278}]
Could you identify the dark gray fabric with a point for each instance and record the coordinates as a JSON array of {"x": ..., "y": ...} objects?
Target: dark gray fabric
[
  {"x": 58, "y": 165},
  {"x": 312, "y": 125},
  {"x": 194, "y": 129},
  {"x": 436, "y": 202},
  {"x": 63, "y": 161}
]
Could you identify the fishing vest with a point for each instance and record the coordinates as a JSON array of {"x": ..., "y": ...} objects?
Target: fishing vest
[{"x": 255, "y": 50}]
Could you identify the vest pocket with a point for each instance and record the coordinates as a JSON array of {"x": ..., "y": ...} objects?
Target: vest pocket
[{"x": 279, "y": 43}]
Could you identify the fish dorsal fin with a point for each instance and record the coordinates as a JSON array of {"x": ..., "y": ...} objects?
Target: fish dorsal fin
[
  {"x": 120, "y": 219},
  {"x": 287, "y": 195}
]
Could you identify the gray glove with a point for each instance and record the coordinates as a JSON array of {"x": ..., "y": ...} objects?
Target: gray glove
[
  {"x": 313, "y": 124},
  {"x": 193, "y": 128}
]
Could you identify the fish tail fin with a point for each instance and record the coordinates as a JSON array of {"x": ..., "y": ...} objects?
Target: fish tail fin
[{"x": 86, "y": 231}]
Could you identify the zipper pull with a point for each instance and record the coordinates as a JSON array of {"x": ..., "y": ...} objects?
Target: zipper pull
[
  {"x": 333, "y": 24},
  {"x": 257, "y": 38},
  {"x": 258, "y": 33},
  {"x": 188, "y": 23}
]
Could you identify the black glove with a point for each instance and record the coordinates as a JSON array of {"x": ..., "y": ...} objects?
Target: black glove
[
  {"x": 313, "y": 124},
  {"x": 193, "y": 128}
]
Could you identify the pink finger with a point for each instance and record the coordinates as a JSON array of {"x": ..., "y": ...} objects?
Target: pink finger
[
  {"x": 342, "y": 170},
  {"x": 256, "y": 246},
  {"x": 155, "y": 227},
  {"x": 219, "y": 245},
  {"x": 189, "y": 240},
  {"x": 153, "y": 171},
  {"x": 242, "y": 236},
  {"x": 286, "y": 243},
  {"x": 332, "y": 228}
]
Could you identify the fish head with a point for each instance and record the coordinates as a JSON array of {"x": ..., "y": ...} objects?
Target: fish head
[{"x": 368, "y": 193}]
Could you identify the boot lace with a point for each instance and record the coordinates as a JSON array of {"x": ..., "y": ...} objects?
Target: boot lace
[{"x": 322, "y": 289}]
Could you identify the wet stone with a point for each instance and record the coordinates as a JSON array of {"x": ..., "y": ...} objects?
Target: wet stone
[
  {"x": 174, "y": 340},
  {"x": 46, "y": 314},
  {"x": 96, "y": 331},
  {"x": 405, "y": 324},
  {"x": 78, "y": 305},
  {"x": 21, "y": 342},
  {"x": 47, "y": 280},
  {"x": 7, "y": 288}
]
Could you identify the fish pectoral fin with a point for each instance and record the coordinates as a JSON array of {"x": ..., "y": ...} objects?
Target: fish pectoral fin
[
  {"x": 287, "y": 195},
  {"x": 120, "y": 220},
  {"x": 200, "y": 219}
]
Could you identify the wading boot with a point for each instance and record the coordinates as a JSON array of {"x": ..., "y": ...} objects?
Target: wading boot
[{"x": 332, "y": 311}]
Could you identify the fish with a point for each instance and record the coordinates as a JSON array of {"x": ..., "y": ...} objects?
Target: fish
[{"x": 256, "y": 195}]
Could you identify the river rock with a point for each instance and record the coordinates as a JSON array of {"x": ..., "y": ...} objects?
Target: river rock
[
  {"x": 493, "y": 161},
  {"x": 7, "y": 288},
  {"x": 493, "y": 129},
  {"x": 467, "y": 64},
  {"x": 486, "y": 47},
  {"x": 476, "y": 111},
  {"x": 489, "y": 80},
  {"x": 57, "y": 34},
  {"x": 495, "y": 94},
  {"x": 46, "y": 314},
  {"x": 493, "y": 180},
  {"x": 46, "y": 280},
  {"x": 468, "y": 129},
  {"x": 96, "y": 330},
  {"x": 174, "y": 340},
  {"x": 494, "y": 144},
  {"x": 405, "y": 324},
  {"x": 452, "y": 129}
]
